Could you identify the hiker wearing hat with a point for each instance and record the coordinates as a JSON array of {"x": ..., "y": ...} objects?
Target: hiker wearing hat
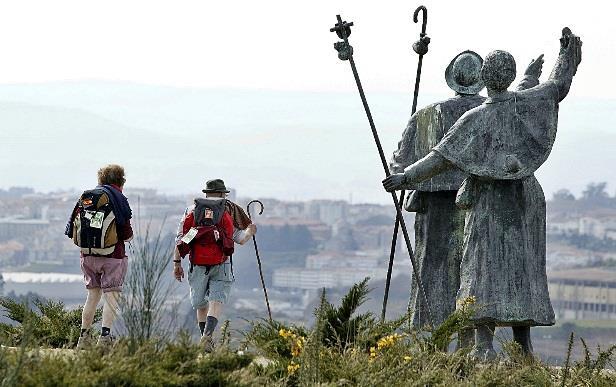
[
  {"x": 207, "y": 233},
  {"x": 439, "y": 223}
]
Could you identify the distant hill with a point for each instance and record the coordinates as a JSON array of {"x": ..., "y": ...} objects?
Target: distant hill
[{"x": 289, "y": 145}]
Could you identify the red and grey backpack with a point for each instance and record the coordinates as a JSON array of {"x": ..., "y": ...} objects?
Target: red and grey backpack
[{"x": 208, "y": 233}]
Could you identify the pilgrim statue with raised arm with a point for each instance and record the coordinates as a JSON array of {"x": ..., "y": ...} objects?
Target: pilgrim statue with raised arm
[{"x": 499, "y": 145}]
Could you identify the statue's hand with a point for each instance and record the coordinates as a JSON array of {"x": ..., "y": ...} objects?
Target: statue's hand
[
  {"x": 535, "y": 67},
  {"x": 394, "y": 182},
  {"x": 571, "y": 45}
]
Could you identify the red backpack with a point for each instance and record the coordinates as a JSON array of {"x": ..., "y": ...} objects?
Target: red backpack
[{"x": 208, "y": 233}]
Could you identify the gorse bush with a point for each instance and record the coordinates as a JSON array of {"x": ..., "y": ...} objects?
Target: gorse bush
[
  {"x": 265, "y": 337},
  {"x": 346, "y": 348},
  {"x": 47, "y": 322}
]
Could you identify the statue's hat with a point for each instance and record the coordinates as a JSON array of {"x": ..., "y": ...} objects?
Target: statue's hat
[{"x": 462, "y": 74}]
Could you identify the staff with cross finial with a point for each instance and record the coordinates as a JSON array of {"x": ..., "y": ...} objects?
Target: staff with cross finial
[
  {"x": 254, "y": 241},
  {"x": 421, "y": 48},
  {"x": 345, "y": 52}
]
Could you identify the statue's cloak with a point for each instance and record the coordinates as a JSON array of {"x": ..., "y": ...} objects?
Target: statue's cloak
[
  {"x": 425, "y": 129},
  {"x": 506, "y": 138}
]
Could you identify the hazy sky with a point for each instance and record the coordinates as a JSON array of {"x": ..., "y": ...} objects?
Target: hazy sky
[
  {"x": 222, "y": 60},
  {"x": 287, "y": 44}
]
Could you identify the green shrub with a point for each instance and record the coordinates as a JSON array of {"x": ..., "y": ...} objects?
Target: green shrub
[
  {"x": 175, "y": 364},
  {"x": 48, "y": 323}
]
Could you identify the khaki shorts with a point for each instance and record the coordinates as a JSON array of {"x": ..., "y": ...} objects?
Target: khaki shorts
[{"x": 211, "y": 283}]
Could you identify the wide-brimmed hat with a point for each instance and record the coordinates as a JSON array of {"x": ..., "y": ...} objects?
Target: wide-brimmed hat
[
  {"x": 463, "y": 73},
  {"x": 215, "y": 186}
]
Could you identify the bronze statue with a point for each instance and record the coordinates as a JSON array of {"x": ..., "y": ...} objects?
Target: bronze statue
[
  {"x": 439, "y": 224},
  {"x": 500, "y": 145}
]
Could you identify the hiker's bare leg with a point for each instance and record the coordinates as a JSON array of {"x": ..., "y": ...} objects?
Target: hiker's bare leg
[
  {"x": 110, "y": 308},
  {"x": 521, "y": 335},
  {"x": 87, "y": 317},
  {"x": 202, "y": 314},
  {"x": 215, "y": 309},
  {"x": 89, "y": 309},
  {"x": 484, "y": 337}
]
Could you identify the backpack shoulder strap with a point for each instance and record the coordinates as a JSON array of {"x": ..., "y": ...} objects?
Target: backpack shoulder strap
[{"x": 68, "y": 230}]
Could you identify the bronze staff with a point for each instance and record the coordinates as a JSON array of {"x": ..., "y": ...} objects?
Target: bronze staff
[
  {"x": 420, "y": 47},
  {"x": 345, "y": 52}
]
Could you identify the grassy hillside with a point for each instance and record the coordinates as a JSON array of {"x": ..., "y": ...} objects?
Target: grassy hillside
[{"x": 343, "y": 348}]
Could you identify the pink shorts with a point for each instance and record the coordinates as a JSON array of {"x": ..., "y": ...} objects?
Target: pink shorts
[{"x": 105, "y": 273}]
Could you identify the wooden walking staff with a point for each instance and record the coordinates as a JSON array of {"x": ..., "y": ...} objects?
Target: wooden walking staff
[
  {"x": 345, "y": 52},
  {"x": 421, "y": 48},
  {"x": 254, "y": 241}
]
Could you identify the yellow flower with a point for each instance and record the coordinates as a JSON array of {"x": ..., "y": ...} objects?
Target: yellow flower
[
  {"x": 292, "y": 368},
  {"x": 295, "y": 341},
  {"x": 388, "y": 341},
  {"x": 407, "y": 358},
  {"x": 468, "y": 301}
]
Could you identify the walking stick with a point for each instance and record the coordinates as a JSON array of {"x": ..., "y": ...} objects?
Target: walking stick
[
  {"x": 254, "y": 241},
  {"x": 421, "y": 48},
  {"x": 345, "y": 52}
]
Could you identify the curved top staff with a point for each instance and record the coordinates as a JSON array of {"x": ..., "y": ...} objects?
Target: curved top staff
[
  {"x": 425, "y": 18},
  {"x": 254, "y": 241},
  {"x": 345, "y": 52},
  {"x": 252, "y": 202},
  {"x": 421, "y": 48}
]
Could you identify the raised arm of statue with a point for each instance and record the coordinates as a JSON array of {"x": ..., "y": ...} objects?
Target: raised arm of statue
[
  {"x": 569, "y": 58},
  {"x": 405, "y": 154}
]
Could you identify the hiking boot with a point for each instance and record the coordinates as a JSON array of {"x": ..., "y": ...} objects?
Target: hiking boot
[
  {"x": 85, "y": 342},
  {"x": 207, "y": 343},
  {"x": 105, "y": 341}
]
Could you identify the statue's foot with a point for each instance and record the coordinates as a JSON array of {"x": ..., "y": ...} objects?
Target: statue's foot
[
  {"x": 484, "y": 350},
  {"x": 483, "y": 355},
  {"x": 521, "y": 335},
  {"x": 466, "y": 339}
]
